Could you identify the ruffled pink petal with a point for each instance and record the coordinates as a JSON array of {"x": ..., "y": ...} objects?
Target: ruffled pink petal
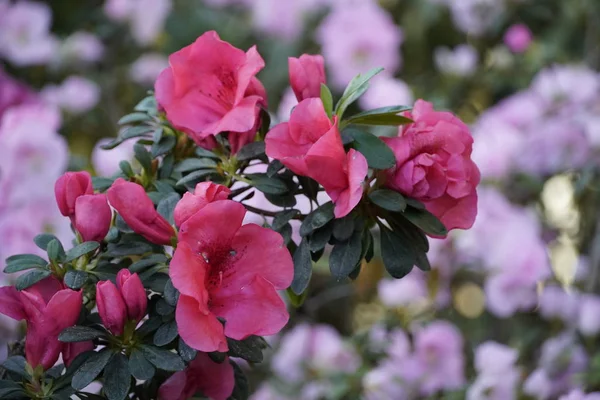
[
  {"x": 351, "y": 196},
  {"x": 200, "y": 331},
  {"x": 63, "y": 309},
  {"x": 280, "y": 146},
  {"x": 254, "y": 63},
  {"x": 309, "y": 121},
  {"x": 326, "y": 161},
  {"x": 214, "y": 380},
  {"x": 255, "y": 309},
  {"x": 241, "y": 118},
  {"x": 10, "y": 303},
  {"x": 188, "y": 273},
  {"x": 174, "y": 387},
  {"x": 455, "y": 213}
]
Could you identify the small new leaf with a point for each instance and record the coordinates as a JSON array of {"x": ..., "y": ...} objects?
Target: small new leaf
[
  {"x": 80, "y": 250},
  {"x": 327, "y": 99}
]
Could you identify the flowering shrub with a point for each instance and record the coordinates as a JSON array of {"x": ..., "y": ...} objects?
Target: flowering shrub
[{"x": 165, "y": 286}]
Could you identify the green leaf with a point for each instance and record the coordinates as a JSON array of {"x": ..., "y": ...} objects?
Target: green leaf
[
  {"x": 346, "y": 256},
  {"x": 163, "y": 308},
  {"x": 133, "y": 117},
  {"x": 166, "y": 166},
  {"x": 17, "y": 365},
  {"x": 250, "y": 151},
  {"x": 31, "y": 278},
  {"x": 268, "y": 185},
  {"x": 319, "y": 238},
  {"x": 381, "y": 116},
  {"x": 282, "y": 218},
  {"x": 192, "y": 164},
  {"x": 117, "y": 378},
  {"x": 55, "y": 250},
  {"x": 14, "y": 267},
  {"x": 397, "y": 254},
  {"x": 90, "y": 369},
  {"x": 377, "y": 153},
  {"x": 166, "y": 334},
  {"x": 356, "y": 88},
  {"x": 343, "y": 228},
  {"x": 316, "y": 219},
  {"x": 43, "y": 239},
  {"x": 171, "y": 295},
  {"x": 12, "y": 393},
  {"x": 388, "y": 200},
  {"x": 200, "y": 152},
  {"x": 425, "y": 220},
  {"x": 282, "y": 200},
  {"x": 76, "y": 279},
  {"x": 143, "y": 156},
  {"x": 250, "y": 349},
  {"x": 163, "y": 146},
  {"x": 185, "y": 351},
  {"x": 147, "y": 262},
  {"x": 167, "y": 205},
  {"x": 128, "y": 249},
  {"x": 79, "y": 334},
  {"x": 149, "y": 326},
  {"x": 327, "y": 99},
  {"x": 302, "y": 267},
  {"x": 80, "y": 250},
  {"x": 274, "y": 167},
  {"x": 163, "y": 359},
  {"x": 195, "y": 176},
  {"x": 148, "y": 104},
  {"x": 241, "y": 390},
  {"x": 31, "y": 259},
  {"x": 126, "y": 168},
  {"x": 296, "y": 300},
  {"x": 163, "y": 187},
  {"x": 128, "y": 133},
  {"x": 421, "y": 261},
  {"x": 140, "y": 367},
  {"x": 101, "y": 183}
]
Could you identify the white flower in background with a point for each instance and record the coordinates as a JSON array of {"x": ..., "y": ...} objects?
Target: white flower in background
[
  {"x": 385, "y": 91},
  {"x": 146, "y": 17},
  {"x": 82, "y": 47},
  {"x": 75, "y": 95},
  {"x": 145, "y": 69},
  {"x": 462, "y": 61}
]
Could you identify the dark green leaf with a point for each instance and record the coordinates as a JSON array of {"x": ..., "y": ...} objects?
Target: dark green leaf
[
  {"x": 166, "y": 166},
  {"x": 163, "y": 308},
  {"x": 345, "y": 256},
  {"x": 126, "y": 168},
  {"x": 133, "y": 117},
  {"x": 200, "y": 152},
  {"x": 164, "y": 146},
  {"x": 90, "y": 369},
  {"x": 192, "y": 164},
  {"x": 302, "y": 267},
  {"x": 377, "y": 153},
  {"x": 101, "y": 183},
  {"x": 251, "y": 151},
  {"x": 343, "y": 228},
  {"x": 139, "y": 367},
  {"x": 397, "y": 254},
  {"x": 426, "y": 221},
  {"x": 421, "y": 261},
  {"x": 149, "y": 326},
  {"x": 368, "y": 245},
  {"x": 163, "y": 359},
  {"x": 357, "y": 86},
  {"x": 282, "y": 200},
  {"x": 128, "y": 133},
  {"x": 310, "y": 187},
  {"x": 185, "y": 351},
  {"x": 16, "y": 364},
  {"x": 75, "y": 279},
  {"x": 327, "y": 99},
  {"x": 250, "y": 349},
  {"x": 13, "y": 393},
  {"x": 217, "y": 357},
  {"x": 79, "y": 334},
  {"x": 268, "y": 185},
  {"x": 127, "y": 249},
  {"x": 274, "y": 167},
  {"x": 31, "y": 278},
  {"x": 282, "y": 218},
  {"x": 163, "y": 187},
  {"x": 241, "y": 390},
  {"x": 80, "y": 250},
  {"x": 167, "y": 205},
  {"x": 31, "y": 259},
  {"x": 195, "y": 176},
  {"x": 55, "y": 250},
  {"x": 382, "y": 110},
  {"x": 171, "y": 295},
  {"x": 12, "y": 268},
  {"x": 117, "y": 378},
  {"x": 43, "y": 239},
  {"x": 147, "y": 262},
  {"x": 143, "y": 156},
  {"x": 148, "y": 104},
  {"x": 414, "y": 203},
  {"x": 286, "y": 233},
  {"x": 381, "y": 116},
  {"x": 317, "y": 219},
  {"x": 319, "y": 238},
  {"x": 166, "y": 334},
  {"x": 388, "y": 200}
]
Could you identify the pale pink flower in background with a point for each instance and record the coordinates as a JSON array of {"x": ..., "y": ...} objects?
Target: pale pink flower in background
[
  {"x": 538, "y": 384},
  {"x": 589, "y": 315},
  {"x": 460, "y": 61},
  {"x": 148, "y": 18},
  {"x": 591, "y": 126},
  {"x": 412, "y": 289},
  {"x": 520, "y": 109},
  {"x": 75, "y": 94},
  {"x": 382, "y": 383},
  {"x": 266, "y": 391},
  {"x": 284, "y": 19},
  {"x": 147, "y": 67},
  {"x": 475, "y": 17},
  {"x": 385, "y": 91},
  {"x": 518, "y": 38},
  {"x": 80, "y": 46},
  {"x": 25, "y": 37},
  {"x": 497, "y": 377},
  {"x": 14, "y": 93},
  {"x": 118, "y": 10},
  {"x": 556, "y": 303},
  {"x": 286, "y": 104},
  {"x": 374, "y": 41},
  {"x": 570, "y": 84},
  {"x": 106, "y": 162},
  {"x": 578, "y": 394}
]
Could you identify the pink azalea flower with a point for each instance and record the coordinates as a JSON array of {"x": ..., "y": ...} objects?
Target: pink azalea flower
[
  {"x": 307, "y": 73},
  {"x": 204, "y": 193}
]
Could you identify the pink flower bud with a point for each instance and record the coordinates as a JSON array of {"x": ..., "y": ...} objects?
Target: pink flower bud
[
  {"x": 69, "y": 187},
  {"x": 518, "y": 38},
  {"x": 92, "y": 217},
  {"x": 205, "y": 192},
  {"x": 133, "y": 293},
  {"x": 111, "y": 307},
  {"x": 133, "y": 204},
  {"x": 306, "y": 75}
]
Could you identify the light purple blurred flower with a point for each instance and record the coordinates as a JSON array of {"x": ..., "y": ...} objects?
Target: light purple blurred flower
[
  {"x": 75, "y": 94},
  {"x": 497, "y": 377},
  {"x": 373, "y": 41},
  {"x": 267, "y": 392},
  {"x": 578, "y": 394},
  {"x": 538, "y": 385},
  {"x": 148, "y": 18},
  {"x": 81, "y": 47},
  {"x": 106, "y": 162},
  {"x": 280, "y": 18},
  {"x": 118, "y": 10},
  {"x": 556, "y": 303},
  {"x": 567, "y": 84},
  {"x": 518, "y": 38},
  {"x": 412, "y": 289},
  {"x": 382, "y": 383},
  {"x": 461, "y": 61},
  {"x": 589, "y": 315},
  {"x": 14, "y": 93},
  {"x": 385, "y": 91},
  {"x": 25, "y": 37},
  {"x": 145, "y": 69},
  {"x": 520, "y": 109},
  {"x": 475, "y": 17}
]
